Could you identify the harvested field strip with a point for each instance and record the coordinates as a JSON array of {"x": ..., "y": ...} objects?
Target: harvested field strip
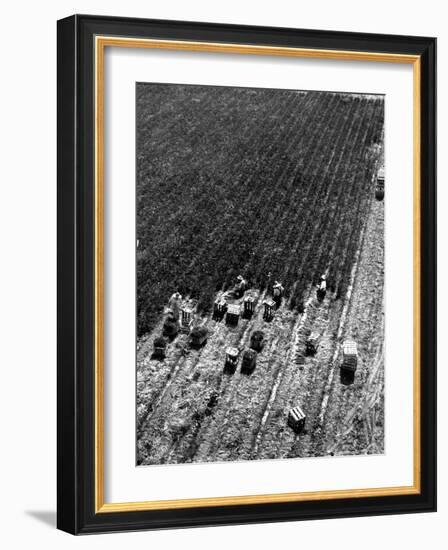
[
  {"x": 366, "y": 324},
  {"x": 290, "y": 363}
]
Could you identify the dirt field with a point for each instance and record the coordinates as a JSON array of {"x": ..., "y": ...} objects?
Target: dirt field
[
  {"x": 189, "y": 410},
  {"x": 294, "y": 196}
]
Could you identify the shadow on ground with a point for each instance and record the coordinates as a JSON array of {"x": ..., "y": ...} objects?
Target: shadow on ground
[{"x": 44, "y": 516}]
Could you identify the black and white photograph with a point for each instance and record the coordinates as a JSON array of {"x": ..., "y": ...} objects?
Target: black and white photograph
[
  {"x": 260, "y": 273},
  {"x": 221, "y": 259}
]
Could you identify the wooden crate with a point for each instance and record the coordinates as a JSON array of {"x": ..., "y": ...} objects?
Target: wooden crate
[
  {"x": 296, "y": 419},
  {"x": 186, "y": 319},
  {"x": 269, "y": 307},
  {"x": 349, "y": 355},
  {"x": 233, "y": 314}
]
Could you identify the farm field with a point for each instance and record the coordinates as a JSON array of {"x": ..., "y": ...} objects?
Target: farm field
[{"x": 269, "y": 185}]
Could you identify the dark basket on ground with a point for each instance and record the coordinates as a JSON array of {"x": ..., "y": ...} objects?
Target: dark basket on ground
[
  {"x": 231, "y": 362},
  {"x": 198, "y": 337},
  {"x": 379, "y": 193},
  {"x": 379, "y": 190},
  {"x": 170, "y": 327},
  {"x": 249, "y": 361},
  {"x": 159, "y": 348},
  {"x": 257, "y": 340}
]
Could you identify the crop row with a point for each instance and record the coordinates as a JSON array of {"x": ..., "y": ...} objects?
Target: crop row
[{"x": 241, "y": 181}]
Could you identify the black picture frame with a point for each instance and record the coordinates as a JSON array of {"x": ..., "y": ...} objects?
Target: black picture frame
[{"x": 76, "y": 286}]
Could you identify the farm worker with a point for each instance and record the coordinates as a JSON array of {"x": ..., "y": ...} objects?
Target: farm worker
[
  {"x": 278, "y": 289},
  {"x": 241, "y": 285},
  {"x": 241, "y": 280},
  {"x": 323, "y": 283},
  {"x": 174, "y": 304}
]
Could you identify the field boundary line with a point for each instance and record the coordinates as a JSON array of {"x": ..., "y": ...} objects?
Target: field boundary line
[{"x": 328, "y": 385}]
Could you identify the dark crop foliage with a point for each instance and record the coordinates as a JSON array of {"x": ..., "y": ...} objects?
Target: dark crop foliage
[{"x": 249, "y": 181}]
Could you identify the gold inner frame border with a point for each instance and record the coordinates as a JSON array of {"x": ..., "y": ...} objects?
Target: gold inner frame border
[{"x": 100, "y": 44}]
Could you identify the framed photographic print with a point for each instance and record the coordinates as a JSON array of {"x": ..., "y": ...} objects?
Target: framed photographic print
[{"x": 246, "y": 274}]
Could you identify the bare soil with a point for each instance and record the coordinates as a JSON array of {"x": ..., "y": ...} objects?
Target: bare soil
[{"x": 190, "y": 410}]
